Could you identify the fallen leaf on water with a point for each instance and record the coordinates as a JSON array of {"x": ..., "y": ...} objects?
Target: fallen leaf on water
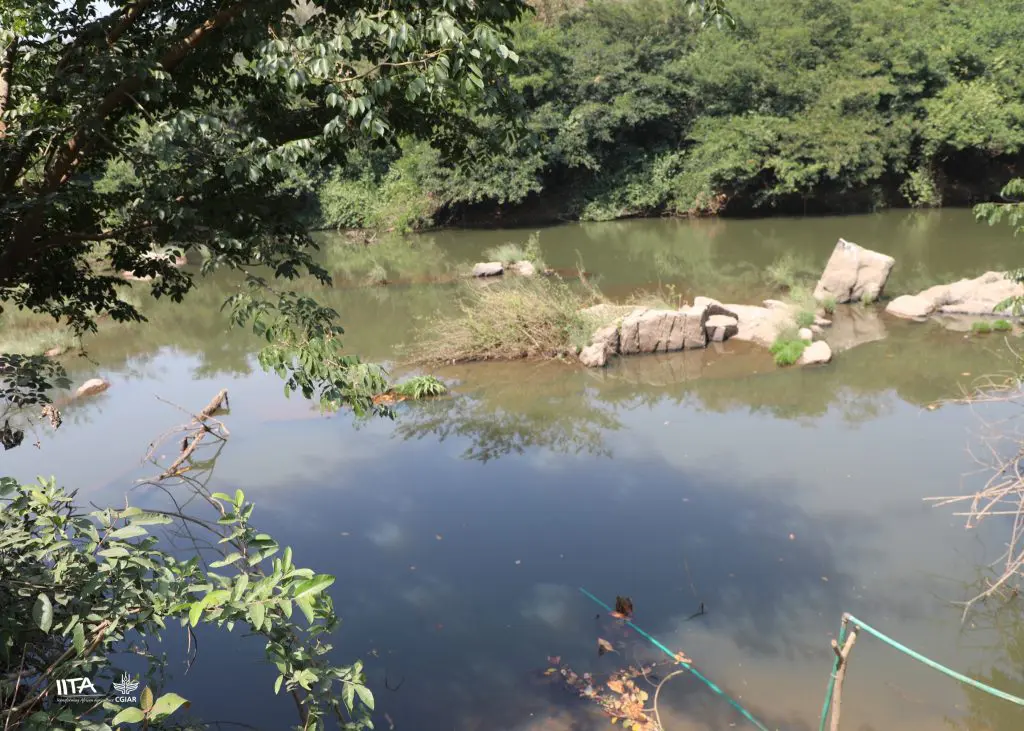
[
  {"x": 681, "y": 657},
  {"x": 551, "y": 671},
  {"x": 604, "y": 646},
  {"x": 617, "y": 686},
  {"x": 623, "y": 607}
]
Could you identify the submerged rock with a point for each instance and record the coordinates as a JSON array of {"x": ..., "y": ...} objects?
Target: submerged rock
[
  {"x": 92, "y": 387},
  {"x": 488, "y": 269},
  {"x": 816, "y": 354},
  {"x": 978, "y": 296},
  {"x": 853, "y": 274}
]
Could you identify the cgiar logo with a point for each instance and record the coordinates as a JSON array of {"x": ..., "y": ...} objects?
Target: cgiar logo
[{"x": 126, "y": 688}]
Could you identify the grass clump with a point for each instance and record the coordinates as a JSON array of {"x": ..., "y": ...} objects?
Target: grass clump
[
  {"x": 509, "y": 252},
  {"x": 505, "y": 253},
  {"x": 787, "y": 348},
  {"x": 829, "y": 305},
  {"x": 867, "y": 300},
  {"x": 525, "y": 317},
  {"x": 981, "y": 327},
  {"x": 788, "y": 272},
  {"x": 1002, "y": 326},
  {"x": 804, "y": 318},
  {"x": 420, "y": 387}
]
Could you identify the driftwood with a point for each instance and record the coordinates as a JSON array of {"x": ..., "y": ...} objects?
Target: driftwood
[
  {"x": 844, "y": 656},
  {"x": 201, "y": 425}
]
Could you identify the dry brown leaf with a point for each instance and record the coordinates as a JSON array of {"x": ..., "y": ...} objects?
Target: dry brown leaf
[
  {"x": 616, "y": 685},
  {"x": 551, "y": 671},
  {"x": 681, "y": 657},
  {"x": 604, "y": 646}
]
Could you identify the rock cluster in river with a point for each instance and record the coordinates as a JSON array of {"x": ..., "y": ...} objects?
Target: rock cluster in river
[
  {"x": 979, "y": 296},
  {"x": 627, "y": 330}
]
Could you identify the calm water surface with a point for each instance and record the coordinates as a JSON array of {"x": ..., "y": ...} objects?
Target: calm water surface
[{"x": 461, "y": 532}]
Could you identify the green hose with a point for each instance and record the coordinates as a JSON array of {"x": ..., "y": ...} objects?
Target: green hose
[{"x": 907, "y": 651}]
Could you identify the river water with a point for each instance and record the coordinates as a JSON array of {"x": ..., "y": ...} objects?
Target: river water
[{"x": 461, "y": 533}]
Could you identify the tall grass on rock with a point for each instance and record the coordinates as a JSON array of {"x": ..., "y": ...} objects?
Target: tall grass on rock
[{"x": 528, "y": 317}]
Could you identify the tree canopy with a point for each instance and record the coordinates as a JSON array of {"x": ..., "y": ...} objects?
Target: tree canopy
[
  {"x": 167, "y": 127},
  {"x": 806, "y": 106}
]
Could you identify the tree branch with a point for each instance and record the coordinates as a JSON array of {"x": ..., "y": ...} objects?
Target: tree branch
[
  {"x": 65, "y": 160},
  {"x": 6, "y": 69}
]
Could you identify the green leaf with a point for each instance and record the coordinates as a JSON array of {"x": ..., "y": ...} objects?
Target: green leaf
[
  {"x": 278, "y": 683},
  {"x": 365, "y": 696},
  {"x": 167, "y": 704},
  {"x": 78, "y": 638},
  {"x": 257, "y": 613},
  {"x": 152, "y": 519},
  {"x": 115, "y": 552},
  {"x": 129, "y": 531},
  {"x": 146, "y": 699},
  {"x": 194, "y": 612},
  {"x": 313, "y": 586},
  {"x": 129, "y": 715},
  {"x": 42, "y": 613},
  {"x": 306, "y": 605}
]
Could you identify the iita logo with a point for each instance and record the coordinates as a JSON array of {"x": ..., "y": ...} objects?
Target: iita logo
[{"x": 79, "y": 690}]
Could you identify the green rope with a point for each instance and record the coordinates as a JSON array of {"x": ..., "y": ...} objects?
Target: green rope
[
  {"x": 917, "y": 656},
  {"x": 688, "y": 666}
]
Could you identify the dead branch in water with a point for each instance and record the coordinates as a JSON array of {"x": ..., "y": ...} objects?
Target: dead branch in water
[
  {"x": 1001, "y": 456},
  {"x": 193, "y": 433}
]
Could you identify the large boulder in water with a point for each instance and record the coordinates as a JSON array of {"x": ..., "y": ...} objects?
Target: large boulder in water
[
  {"x": 978, "y": 296},
  {"x": 663, "y": 331},
  {"x": 853, "y": 274}
]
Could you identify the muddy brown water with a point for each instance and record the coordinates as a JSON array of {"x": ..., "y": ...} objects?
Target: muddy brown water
[{"x": 461, "y": 532}]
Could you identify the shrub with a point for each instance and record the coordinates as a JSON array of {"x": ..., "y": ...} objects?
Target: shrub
[
  {"x": 1002, "y": 326},
  {"x": 524, "y": 317},
  {"x": 787, "y": 349},
  {"x": 829, "y": 305},
  {"x": 981, "y": 328}
]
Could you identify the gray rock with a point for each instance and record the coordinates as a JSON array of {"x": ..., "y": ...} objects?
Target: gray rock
[
  {"x": 911, "y": 307},
  {"x": 721, "y": 327},
  {"x": 816, "y": 354},
  {"x": 853, "y": 273},
  {"x": 714, "y": 307},
  {"x": 488, "y": 269},
  {"x": 662, "y": 331},
  {"x": 523, "y": 268},
  {"x": 594, "y": 356},
  {"x": 805, "y": 333}
]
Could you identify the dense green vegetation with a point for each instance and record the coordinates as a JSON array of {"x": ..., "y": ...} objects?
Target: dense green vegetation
[{"x": 806, "y": 106}]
